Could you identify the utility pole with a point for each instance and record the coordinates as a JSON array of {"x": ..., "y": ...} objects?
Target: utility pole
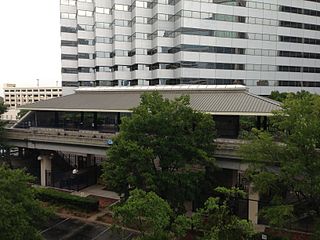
[{"x": 38, "y": 82}]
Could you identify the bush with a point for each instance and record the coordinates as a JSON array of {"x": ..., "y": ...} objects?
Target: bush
[{"x": 57, "y": 197}]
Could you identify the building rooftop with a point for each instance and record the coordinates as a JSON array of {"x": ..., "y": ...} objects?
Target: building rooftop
[{"x": 215, "y": 100}]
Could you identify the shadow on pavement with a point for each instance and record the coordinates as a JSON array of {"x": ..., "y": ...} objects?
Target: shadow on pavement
[{"x": 67, "y": 228}]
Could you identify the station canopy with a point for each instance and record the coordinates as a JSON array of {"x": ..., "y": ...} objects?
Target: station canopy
[{"x": 212, "y": 99}]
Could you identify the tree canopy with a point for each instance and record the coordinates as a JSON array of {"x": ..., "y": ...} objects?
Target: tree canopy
[
  {"x": 215, "y": 221},
  {"x": 278, "y": 96},
  {"x": 146, "y": 212},
  {"x": 285, "y": 166},
  {"x": 20, "y": 212},
  {"x": 155, "y": 220},
  {"x": 165, "y": 147},
  {"x": 3, "y": 107}
]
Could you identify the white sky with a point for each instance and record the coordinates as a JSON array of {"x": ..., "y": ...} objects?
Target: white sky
[{"x": 30, "y": 42}]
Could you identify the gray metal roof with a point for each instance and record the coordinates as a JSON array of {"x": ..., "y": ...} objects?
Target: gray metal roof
[{"x": 214, "y": 100}]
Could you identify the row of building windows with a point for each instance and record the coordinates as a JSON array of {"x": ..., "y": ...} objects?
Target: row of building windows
[
  {"x": 192, "y": 48},
  {"x": 243, "y": 19},
  {"x": 106, "y": 39},
  {"x": 30, "y": 96},
  {"x": 243, "y": 35},
  {"x": 310, "y": 12},
  {"x": 31, "y": 90},
  {"x": 201, "y": 15},
  {"x": 264, "y": 6},
  {"x": 201, "y": 81},
  {"x": 199, "y": 65},
  {"x": 89, "y": 42},
  {"x": 68, "y": 15},
  {"x": 248, "y": 4},
  {"x": 306, "y": 26},
  {"x": 312, "y": 55},
  {"x": 85, "y": 27},
  {"x": 67, "y": 43},
  {"x": 68, "y": 2},
  {"x": 211, "y": 33}
]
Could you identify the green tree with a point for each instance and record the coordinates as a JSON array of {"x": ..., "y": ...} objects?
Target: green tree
[
  {"x": 146, "y": 212},
  {"x": 286, "y": 171},
  {"x": 20, "y": 212},
  {"x": 215, "y": 221},
  {"x": 152, "y": 216},
  {"x": 276, "y": 95},
  {"x": 165, "y": 147},
  {"x": 22, "y": 113}
]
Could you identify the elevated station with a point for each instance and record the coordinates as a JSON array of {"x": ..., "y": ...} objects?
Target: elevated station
[{"x": 71, "y": 134}]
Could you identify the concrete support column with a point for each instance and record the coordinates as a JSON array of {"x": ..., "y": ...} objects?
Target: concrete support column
[
  {"x": 45, "y": 165},
  {"x": 253, "y": 205}
]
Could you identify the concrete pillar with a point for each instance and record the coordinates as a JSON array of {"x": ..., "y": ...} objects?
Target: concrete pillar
[
  {"x": 45, "y": 165},
  {"x": 253, "y": 205}
]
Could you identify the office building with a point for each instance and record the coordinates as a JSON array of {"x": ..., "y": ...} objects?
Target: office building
[
  {"x": 17, "y": 96},
  {"x": 264, "y": 44}
]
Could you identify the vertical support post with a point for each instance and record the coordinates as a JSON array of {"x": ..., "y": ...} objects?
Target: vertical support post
[
  {"x": 118, "y": 119},
  {"x": 265, "y": 123},
  {"x": 259, "y": 122},
  {"x": 20, "y": 152},
  {"x": 81, "y": 120},
  {"x": 95, "y": 120},
  {"x": 89, "y": 160},
  {"x": 45, "y": 166},
  {"x": 56, "y": 119},
  {"x": 118, "y": 122},
  {"x": 253, "y": 205},
  {"x": 35, "y": 119},
  {"x": 237, "y": 126}
]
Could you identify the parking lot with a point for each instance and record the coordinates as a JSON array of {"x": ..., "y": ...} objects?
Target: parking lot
[{"x": 67, "y": 228}]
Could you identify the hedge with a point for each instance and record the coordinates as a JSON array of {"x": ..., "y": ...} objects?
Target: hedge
[{"x": 72, "y": 201}]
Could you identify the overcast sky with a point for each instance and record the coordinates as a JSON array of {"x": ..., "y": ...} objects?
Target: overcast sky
[{"x": 30, "y": 42}]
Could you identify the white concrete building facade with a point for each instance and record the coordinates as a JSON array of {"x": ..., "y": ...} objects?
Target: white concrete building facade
[{"x": 264, "y": 44}]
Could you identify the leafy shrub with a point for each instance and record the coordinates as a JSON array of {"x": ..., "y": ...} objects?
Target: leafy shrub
[{"x": 57, "y": 197}]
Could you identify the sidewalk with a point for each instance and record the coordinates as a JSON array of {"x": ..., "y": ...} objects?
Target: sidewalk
[{"x": 98, "y": 191}]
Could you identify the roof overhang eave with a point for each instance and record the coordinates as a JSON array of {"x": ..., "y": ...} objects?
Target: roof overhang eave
[
  {"x": 262, "y": 114},
  {"x": 127, "y": 111},
  {"x": 74, "y": 110}
]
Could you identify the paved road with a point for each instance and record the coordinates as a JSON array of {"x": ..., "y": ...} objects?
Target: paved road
[{"x": 67, "y": 229}]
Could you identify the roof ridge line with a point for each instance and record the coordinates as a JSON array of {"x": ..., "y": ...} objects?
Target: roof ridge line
[{"x": 265, "y": 99}]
